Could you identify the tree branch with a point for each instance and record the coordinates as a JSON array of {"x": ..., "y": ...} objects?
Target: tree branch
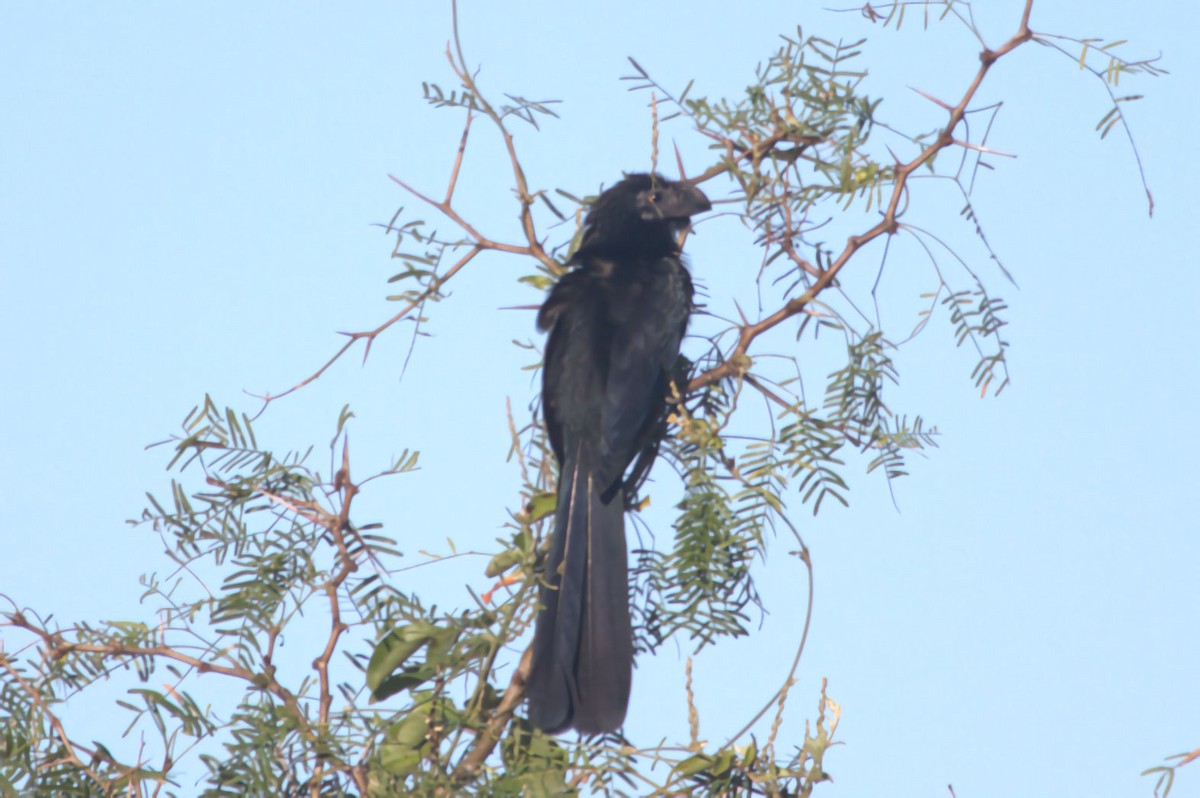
[
  {"x": 738, "y": 361},
  {"x": 487, "y": 740}
]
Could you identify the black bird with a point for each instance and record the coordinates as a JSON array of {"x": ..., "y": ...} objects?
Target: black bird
[{"x": 615, "y": 322}]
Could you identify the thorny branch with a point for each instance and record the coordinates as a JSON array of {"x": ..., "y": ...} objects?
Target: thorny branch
[
  {"x": 337, "y": 525},
  {"x": 479, "y": 243},
  {"x": 737, "y": 361},
  {"x": 56, "y": 647}
]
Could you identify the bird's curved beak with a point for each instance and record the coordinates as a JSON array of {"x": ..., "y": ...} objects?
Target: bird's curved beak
[{"x": 681, "y": 201}]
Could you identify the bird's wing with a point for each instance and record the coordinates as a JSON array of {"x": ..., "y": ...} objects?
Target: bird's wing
[
  {"x": 643, "y": 349},
  {"x": 567, "y": 304}
]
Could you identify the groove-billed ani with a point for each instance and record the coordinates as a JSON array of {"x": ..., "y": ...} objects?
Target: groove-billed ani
[{"x": 615, "y": 325}]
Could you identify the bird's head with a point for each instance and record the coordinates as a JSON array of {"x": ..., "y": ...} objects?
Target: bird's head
[{"x": 642, "y": 212}]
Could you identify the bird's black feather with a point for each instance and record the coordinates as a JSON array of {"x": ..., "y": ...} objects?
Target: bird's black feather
[{"x": 615, "y": 322}]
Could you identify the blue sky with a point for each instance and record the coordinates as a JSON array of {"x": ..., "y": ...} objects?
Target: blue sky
[{"x": 185, "y": 207}]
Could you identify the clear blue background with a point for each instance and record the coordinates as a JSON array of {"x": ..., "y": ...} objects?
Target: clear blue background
[{"x": 185, "y": 199}]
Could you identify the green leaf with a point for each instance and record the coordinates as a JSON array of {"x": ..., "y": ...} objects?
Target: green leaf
[
  {"x": 395, "y": 649},
  {"x": 502, "y": 562},
  {"x": 750, "y": 754},
  {"x": 541, "y": 506},
  {"x": 401, "y": 682},
  {"x": 410, "y": 731},
  {"x": 693, "y": 765},
  {"x": 400, "y": 753},
  {"x": 723, "y": 762}
]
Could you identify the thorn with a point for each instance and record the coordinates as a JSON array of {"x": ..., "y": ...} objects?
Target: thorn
[
  {"x": 679, "y": 160},
  {"x": 929, "y": 97},
  {"x": 981, "y": 148},
  {"x": 740, "y": 313}
]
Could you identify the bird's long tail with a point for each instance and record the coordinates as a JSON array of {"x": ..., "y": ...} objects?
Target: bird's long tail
[{"x": 583, "y": 643}]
